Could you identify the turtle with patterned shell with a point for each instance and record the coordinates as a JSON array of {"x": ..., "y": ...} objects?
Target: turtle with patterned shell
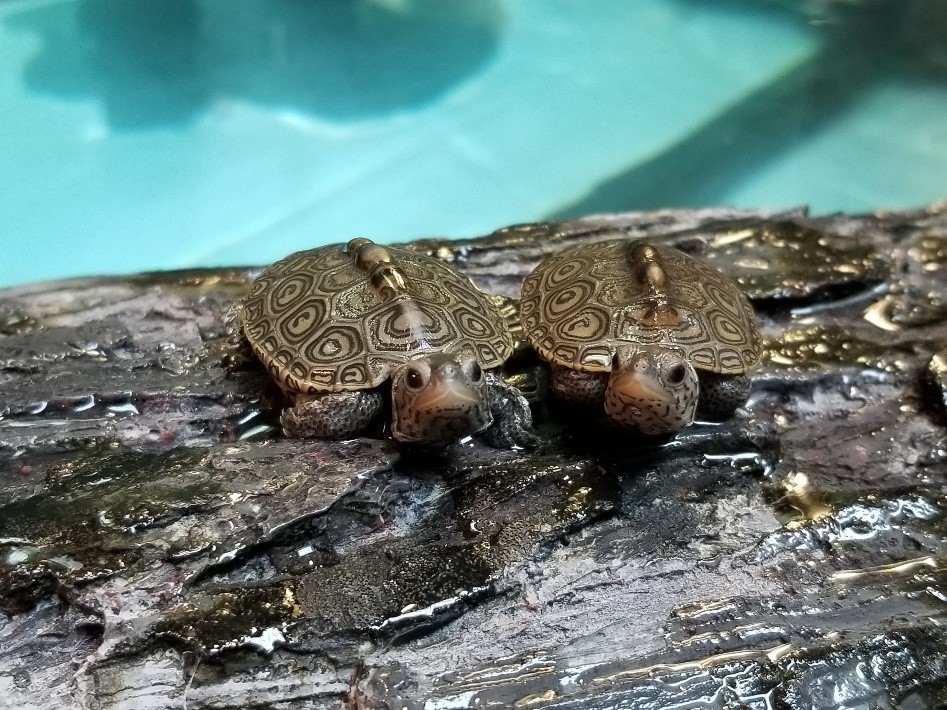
[
  {"x": 335, "y": 325},
  {"x": 650, "y": 334}
]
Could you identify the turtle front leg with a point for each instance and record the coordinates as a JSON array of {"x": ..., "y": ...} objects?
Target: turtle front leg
[
  {"x": 336, "y": 415},
  {"x": 512, "y": 419},
  {"x": 585, "y": 390},
  {"x": 720, "y": 395}
]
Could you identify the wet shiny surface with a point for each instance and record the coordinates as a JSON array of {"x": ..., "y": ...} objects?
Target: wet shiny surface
[
  {"x": 787, "y": 259},
  {"x": 153, "y": 530}
]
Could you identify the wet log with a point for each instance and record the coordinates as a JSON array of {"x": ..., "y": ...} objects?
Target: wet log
[{"x": 162, "y": 546}]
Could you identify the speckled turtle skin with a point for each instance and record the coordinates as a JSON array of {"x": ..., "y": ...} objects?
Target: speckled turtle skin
[
  {"x": 332, "y": 325},
  {"x": 646, "y": 331}
]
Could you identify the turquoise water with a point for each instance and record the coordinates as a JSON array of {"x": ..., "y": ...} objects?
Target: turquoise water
[{"x": 141, "y": 135}]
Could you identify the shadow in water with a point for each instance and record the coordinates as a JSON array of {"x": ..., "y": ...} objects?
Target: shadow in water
[
  {"x": 861, "y": 43},
  {"x": 154, "y": 63}
]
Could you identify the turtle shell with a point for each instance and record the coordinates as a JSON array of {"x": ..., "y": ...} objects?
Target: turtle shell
[
  {"x": 580, "y": 304},
  {"x": 340, "y": 317}
]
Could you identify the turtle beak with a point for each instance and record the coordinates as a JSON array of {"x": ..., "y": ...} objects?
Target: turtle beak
[
  {"x": 639, "y": 387},
  {"x": 448, "y": 394}
]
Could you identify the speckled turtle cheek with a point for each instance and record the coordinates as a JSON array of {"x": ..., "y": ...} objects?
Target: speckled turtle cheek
[
  {"x": 652, "y": 416},
  {"x": 436, "y": 422},
  {"x": 433, "y": 426}
]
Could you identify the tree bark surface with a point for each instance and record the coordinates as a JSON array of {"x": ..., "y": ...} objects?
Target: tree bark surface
[{"x": 161, "y": 546}]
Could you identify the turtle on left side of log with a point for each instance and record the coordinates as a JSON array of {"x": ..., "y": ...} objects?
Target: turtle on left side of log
[{"x": 352, "y": 332}]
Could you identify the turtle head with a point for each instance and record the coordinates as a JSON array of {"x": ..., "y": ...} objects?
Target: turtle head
[
  {"x": 438, "y": 398},
  {"x": 651, "y": 388}
]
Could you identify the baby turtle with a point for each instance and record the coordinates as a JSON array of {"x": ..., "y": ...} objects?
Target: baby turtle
[
  {"x": 641, "y": 329},
  {"x": 334, "y": 324}
]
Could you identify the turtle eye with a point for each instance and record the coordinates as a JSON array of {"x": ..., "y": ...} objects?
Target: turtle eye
[
  {"x": 676, "y": 374},
  {"x": 474, "y": 372},
  {"x": 414, "y": 378}
]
